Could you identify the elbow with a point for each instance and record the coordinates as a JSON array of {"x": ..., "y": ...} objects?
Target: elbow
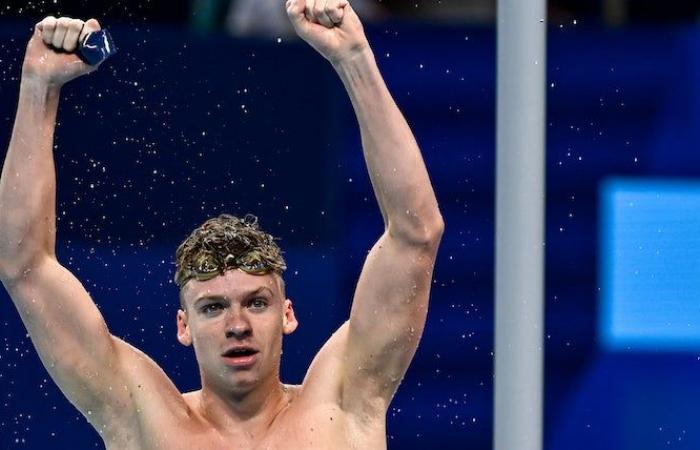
[
  {"x": 426, "y": 232},
  {"x": 15, "y": 268},
  {"x": 20, "y": 253},
  {"x": 437, "y": 230},
  {"x": 439, "y": 225},
  {"x": 433, "y": 229},
  {"x": 10, "y": 272}
]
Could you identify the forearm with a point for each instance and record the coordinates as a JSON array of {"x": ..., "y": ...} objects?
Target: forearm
[
  {"x": 28, "y": 182},
  {"x": 396, "y": 168}
]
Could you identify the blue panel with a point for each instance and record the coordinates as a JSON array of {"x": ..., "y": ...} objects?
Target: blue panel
[{"x": 650, "y": 265}]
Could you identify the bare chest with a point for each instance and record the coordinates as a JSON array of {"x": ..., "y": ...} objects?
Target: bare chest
[{"x": 318, "y": 428}]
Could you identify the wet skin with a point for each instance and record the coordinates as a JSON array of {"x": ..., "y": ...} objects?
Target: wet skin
[
  {"x": 241, "y": 406},
  {"x": 343, "y": 400}
]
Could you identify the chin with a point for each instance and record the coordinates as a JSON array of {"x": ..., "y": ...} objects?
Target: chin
[
  {"x": 241, "y": 390},
  {"x": 243, "y": 383}
]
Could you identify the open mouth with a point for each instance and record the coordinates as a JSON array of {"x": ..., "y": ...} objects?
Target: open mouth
[
  {"x": 240, "y": 357},
  {"x": 238, "y": 352}
]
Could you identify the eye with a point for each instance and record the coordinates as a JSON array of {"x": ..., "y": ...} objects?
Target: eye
[
  {"x": 258, "y": 304},
  {"x": 211, "y": 308}
]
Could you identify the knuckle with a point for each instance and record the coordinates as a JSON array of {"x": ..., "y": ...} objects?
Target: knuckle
[{"x": 49, "y": 22}]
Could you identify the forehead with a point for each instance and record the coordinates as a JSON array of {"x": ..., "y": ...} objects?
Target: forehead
[{"x": 233, "y": 284}]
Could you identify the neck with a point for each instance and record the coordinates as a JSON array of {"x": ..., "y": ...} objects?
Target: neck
[{"x": 257, "y": 408}]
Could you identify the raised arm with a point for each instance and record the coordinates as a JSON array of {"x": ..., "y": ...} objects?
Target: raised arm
[
  {"x": 64, "y": 324},
  {"x": 391, "y": 298}
]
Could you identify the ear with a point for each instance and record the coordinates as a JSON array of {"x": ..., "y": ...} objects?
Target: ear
[
  {"x": 289, "y": 320},
  {"x": 183, "y": 329}
]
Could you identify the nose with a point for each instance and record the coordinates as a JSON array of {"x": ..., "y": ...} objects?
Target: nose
[{"x": 237, "y": 324}]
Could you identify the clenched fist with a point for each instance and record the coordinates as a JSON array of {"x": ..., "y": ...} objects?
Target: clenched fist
[
  {"x": 329, "y": 26},
  {"x": 50, "y": 55}
]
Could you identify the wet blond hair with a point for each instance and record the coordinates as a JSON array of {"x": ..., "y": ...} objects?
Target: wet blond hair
[{"x": 227, "y": 242}]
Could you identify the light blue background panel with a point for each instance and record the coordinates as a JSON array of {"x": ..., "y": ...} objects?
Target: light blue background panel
[{"x": 650, "y": 265}]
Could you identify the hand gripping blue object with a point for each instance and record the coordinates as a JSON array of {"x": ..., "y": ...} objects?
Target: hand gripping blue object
[{"x": 96, "y": 47}]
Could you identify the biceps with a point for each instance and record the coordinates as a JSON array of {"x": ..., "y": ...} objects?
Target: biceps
[
  {"x": 389, "y": 312},
  {"x": 393, "y": 289}
]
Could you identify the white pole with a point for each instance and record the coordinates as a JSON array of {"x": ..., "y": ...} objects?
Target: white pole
[{"x": 520, "y": 191}]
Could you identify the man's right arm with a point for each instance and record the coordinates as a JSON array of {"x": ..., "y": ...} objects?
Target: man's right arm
[{"x": 64, "y": 324}]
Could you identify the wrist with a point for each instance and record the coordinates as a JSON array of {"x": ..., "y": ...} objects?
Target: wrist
[
  {"x": 354, "y": 58},
  {"x": 39, "y": 94},
  {"x": 36, "y": 85},
  {"x": 359, "y": 72},
  {"x": 38, "y": 75}
]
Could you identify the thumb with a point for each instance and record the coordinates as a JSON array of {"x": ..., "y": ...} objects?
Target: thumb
[
  {"x": 93, "y": 25},
  {"x": 90, "y": 26}
]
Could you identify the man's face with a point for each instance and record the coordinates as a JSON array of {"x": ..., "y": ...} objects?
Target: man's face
[{"x": 235, "y": 322}]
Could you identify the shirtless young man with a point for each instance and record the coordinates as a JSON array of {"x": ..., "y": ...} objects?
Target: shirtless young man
[{"x": 234, "y": 310}]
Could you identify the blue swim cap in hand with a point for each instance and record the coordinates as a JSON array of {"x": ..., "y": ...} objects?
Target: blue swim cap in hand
[{"x": 96, "y": 47}]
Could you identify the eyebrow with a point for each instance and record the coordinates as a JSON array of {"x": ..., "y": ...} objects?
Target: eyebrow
[{"x": 222, "y": 297}]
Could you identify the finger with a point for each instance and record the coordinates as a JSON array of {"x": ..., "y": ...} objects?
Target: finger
[
  {"x": 309, "y": 11},
  {"x": 320, "y": 13},
  {"x": 90, "y": 26},
  {"x": 295, "y": 12},
  {"x": 70, "y": 43},
  {"x": 60, "y": 34},
  {"x": 47, "y": 27},
  {"x": 335, "y": 9},
  {"x": 37, "y": 31}
]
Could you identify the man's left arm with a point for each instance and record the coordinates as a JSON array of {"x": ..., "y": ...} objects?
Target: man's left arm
[{"x": 391, "y": 298}]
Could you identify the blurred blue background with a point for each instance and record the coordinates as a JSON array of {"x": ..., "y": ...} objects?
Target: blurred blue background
[{"x": 189, "y": 121}]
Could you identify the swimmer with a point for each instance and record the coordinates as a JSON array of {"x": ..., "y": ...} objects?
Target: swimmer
[{"x": 234, "y": 311}]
